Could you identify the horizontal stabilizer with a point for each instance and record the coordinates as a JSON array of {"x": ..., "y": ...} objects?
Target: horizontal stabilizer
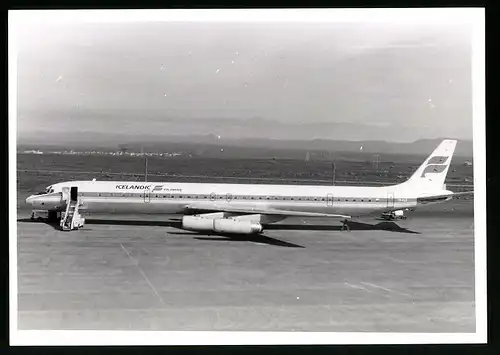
[
  {"x": 264, "y": 211},
  {"x": 436, "y": 198}
]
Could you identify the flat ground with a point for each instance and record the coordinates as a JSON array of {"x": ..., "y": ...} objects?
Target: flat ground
[
  {"x": 119, "y": 273},
  {"x": 143, "y": 273}
]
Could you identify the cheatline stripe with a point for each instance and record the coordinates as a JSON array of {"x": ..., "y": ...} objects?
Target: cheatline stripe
[
  {"x": 221, "y": 177},
  {"x": 162, "y": 196}
]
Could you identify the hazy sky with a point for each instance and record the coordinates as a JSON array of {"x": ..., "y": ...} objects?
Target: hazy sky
[{"x": 134, "y": 77}]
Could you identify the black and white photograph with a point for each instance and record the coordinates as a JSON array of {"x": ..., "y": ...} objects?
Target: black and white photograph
[{"x": 247, "y": 176}]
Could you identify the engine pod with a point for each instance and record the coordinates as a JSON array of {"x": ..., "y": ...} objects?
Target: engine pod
[
  {"x": 236, "y": 226},
  {"x": 197, "y": 223}
]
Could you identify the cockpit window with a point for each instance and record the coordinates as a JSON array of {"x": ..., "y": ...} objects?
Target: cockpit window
[{"x": 49, "y": 190}]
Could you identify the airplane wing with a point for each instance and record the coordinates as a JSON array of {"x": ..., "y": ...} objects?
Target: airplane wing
[{"x": 263, "y": 211}]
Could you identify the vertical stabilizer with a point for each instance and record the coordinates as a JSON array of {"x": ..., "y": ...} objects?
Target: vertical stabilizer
[{"x": 432, "y": 173}]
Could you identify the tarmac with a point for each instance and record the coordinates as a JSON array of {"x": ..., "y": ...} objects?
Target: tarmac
[{"x": 144, "y": 273}]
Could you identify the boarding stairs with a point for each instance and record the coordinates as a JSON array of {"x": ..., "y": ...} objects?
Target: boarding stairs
[{"x": 71, "y": 219}]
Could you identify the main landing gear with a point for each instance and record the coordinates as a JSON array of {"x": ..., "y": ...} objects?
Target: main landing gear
[
  {"x": 345, "y": 226},
  {"x": 393, "y": 215}
]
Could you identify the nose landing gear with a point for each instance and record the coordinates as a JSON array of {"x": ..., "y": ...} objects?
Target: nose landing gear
[{"x": 52, "y": 216}]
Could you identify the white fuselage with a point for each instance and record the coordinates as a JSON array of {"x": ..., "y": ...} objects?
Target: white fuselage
[
  {"x": 171, "y": 198},
  {"x": 239, "y": 208}
]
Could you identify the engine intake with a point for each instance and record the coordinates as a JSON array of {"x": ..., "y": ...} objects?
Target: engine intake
[{"x": 220, "y": 225}]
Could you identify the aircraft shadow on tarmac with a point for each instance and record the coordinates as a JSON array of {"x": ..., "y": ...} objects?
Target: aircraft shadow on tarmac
[
  {"x": 256, "y": 238},
  {"x": 175, "y": 223},
  {"x": 353, "y": 226}
]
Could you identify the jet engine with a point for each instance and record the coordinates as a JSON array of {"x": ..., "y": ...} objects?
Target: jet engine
[
  {"x": 220, "y": 225},
  {"x": 197, "y": 223},
  {"x": 235, "y": 226}
]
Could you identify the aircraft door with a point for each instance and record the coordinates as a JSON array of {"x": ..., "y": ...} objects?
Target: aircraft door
[
  {"x": 74, "y": 193},
  {"x": 65, "y": 194},
  {"x": 390, "y": 199},
  {"x": 329, "y": 200},
  {"x": 147, "y": 196}
]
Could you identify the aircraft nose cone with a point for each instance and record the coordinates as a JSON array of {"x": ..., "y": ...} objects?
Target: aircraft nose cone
[{"x": 30, "y": 199}]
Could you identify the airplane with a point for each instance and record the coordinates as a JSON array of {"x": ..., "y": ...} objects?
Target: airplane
[{"x": 247, "y": 208}]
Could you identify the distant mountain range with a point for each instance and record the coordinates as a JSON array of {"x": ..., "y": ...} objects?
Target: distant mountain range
[
  {"x": 135, "y": 126},
  {"x": 210, "y": 144},
  {"x": 423, "y": 146}
]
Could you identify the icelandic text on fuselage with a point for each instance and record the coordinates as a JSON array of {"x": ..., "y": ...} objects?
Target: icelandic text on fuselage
[{"x": 145, "y": 187}]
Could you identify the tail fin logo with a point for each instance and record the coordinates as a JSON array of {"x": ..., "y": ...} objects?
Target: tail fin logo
[
  {"x": 438, "y": 160},
  {"x": 433, "y": 169},
  {"x": 436, "y": 164}
]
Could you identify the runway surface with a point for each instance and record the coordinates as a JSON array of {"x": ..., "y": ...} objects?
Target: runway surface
[{"x": 142, "y": 273}]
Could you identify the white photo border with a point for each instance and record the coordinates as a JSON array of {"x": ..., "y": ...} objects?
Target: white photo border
[{"x": 473, "y": 17}]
